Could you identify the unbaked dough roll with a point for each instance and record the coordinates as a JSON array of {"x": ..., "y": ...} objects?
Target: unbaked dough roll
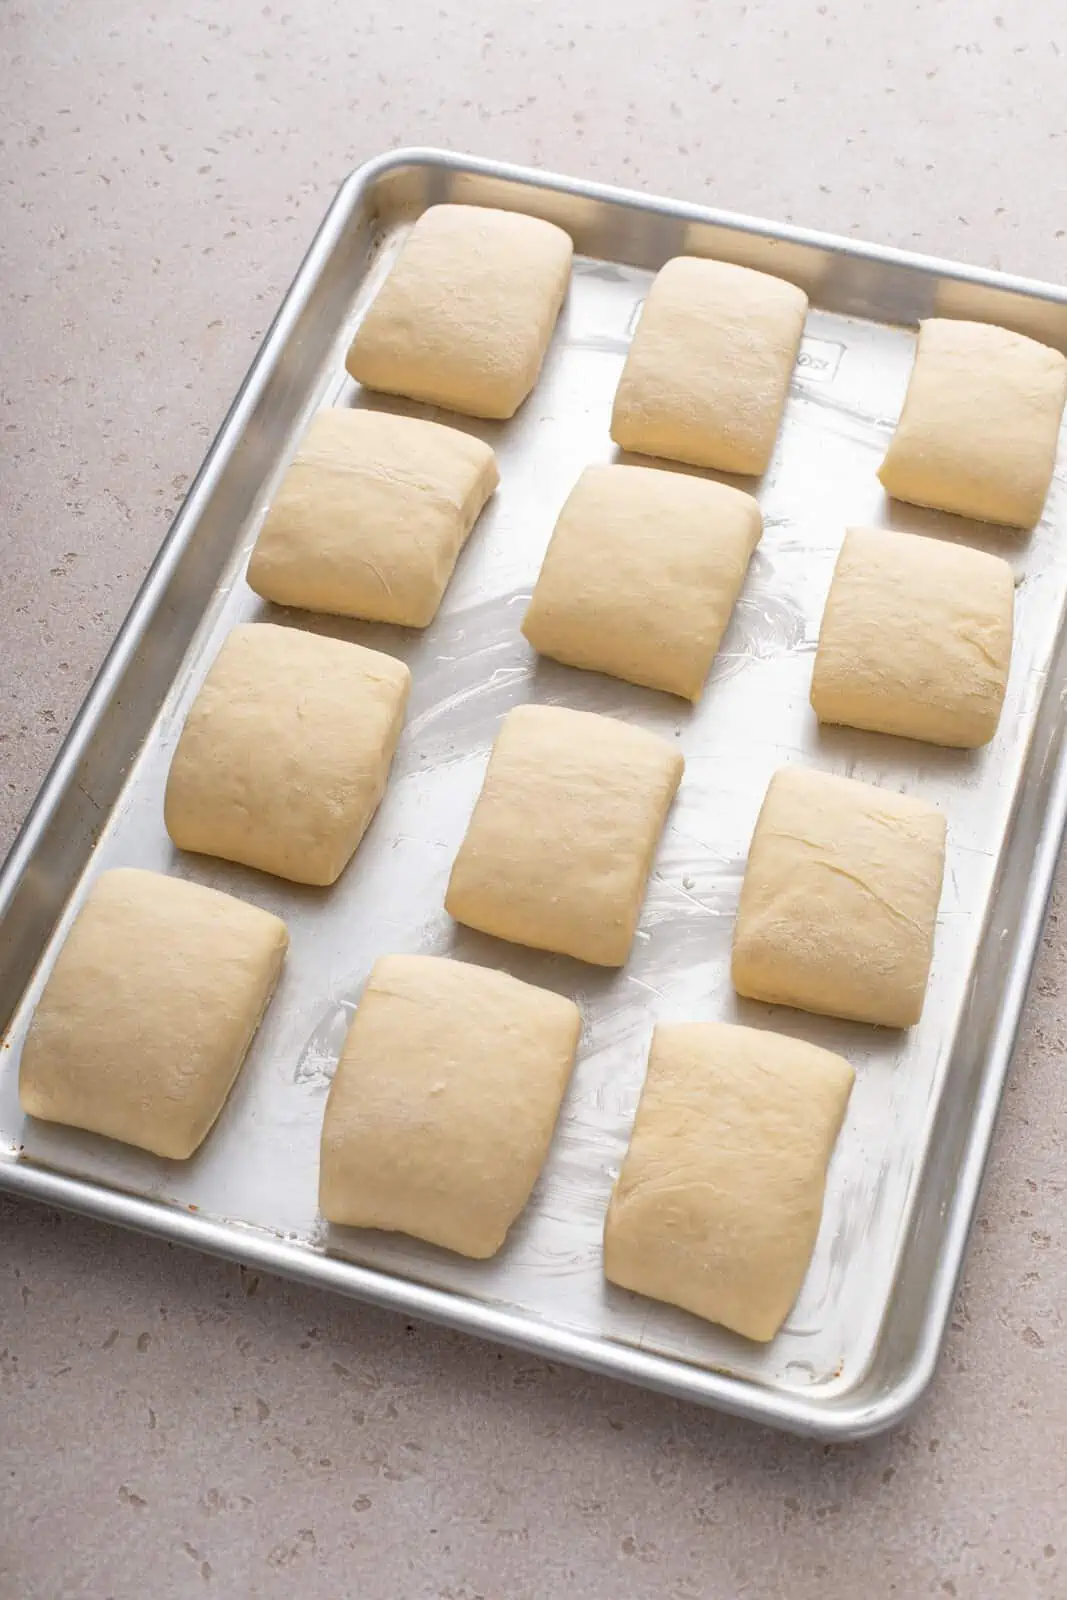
[
  {"x": 915, "y": 639},
  {"x": 149, "y": 1011},
  {"x": 718, "y": 1202},
  {"x": 839, "y": 899},
  {"x": 371, "y": 517},
  {"x": 285, "y": 752},
  {"x": 561, "y": 842},
  {"x": 443, "y": 1104},
  {"x": 980, "y": 423},
  {"x": 612, "y": 597},
  {"x": 708, "y": 371},
  {"x": 466, "y": 314}
]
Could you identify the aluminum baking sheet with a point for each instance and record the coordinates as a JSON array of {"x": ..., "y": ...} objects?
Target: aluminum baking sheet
[{"x": 862, "y": 1340}]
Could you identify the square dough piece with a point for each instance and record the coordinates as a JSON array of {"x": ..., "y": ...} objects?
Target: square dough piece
[
  {"x": 371, "y": 517},
  {"x": 285, "y": 752},
  {"x": 149, "y": 1011},
  {"x": 465, "y": 316},
  {"x": 839, "y": 899},
  {"x": 650, "y": 610},
  {"x": 559, "y": 848},
  {"x": 980, "y": 423},
  {"x": 442, "y": 1107},
  {"x": 718, "y": 1203},
  {"x": 915, "y": 639},
  {"x": 708, "y": 370}
]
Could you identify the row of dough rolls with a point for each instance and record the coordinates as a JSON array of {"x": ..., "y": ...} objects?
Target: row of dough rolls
[
  {"x": 446, "y": 1096},
  {"x": 466, "y": 313}
]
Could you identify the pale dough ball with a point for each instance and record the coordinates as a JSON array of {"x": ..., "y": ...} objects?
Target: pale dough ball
[
  {"x": 371, "y": 517},
  {"x": 560, "y": 845},
  {"x": 464, "y": 318},
  {"x": 149, "y": 1011},
  {"x": 915, "y": 639},
  {"x": 718, "y": 1203},
  {"x": 443, "y": 1104},
  {"x": 651, "y": 610},
  {"x": 980, "y": 423},
  {"x": 285, "y": 752},
  {"x": 708, "y": 371},
  {"x": 839, "y": 899}
]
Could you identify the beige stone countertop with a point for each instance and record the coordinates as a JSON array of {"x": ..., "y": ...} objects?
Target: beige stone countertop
[{"x": 174, "y": 1426}]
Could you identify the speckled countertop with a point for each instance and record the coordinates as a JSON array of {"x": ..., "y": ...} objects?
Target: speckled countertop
[{"x": 174, "y": 1426}]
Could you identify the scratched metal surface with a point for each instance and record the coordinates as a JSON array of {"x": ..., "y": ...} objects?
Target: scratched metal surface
[{"x": 258, "y": 1169}]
